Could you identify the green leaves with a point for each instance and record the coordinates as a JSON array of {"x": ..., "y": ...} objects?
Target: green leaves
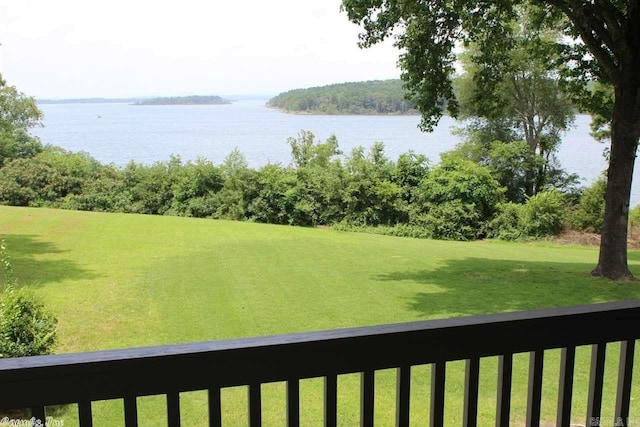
[{"x": 26, "y": 328}]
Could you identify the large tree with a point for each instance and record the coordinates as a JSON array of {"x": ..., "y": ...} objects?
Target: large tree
[
  {"x": 530, "y": 108},
  {"x": 601, "y": 45}
]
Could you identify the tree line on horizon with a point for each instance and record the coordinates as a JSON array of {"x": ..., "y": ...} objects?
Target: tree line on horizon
[{"x": 370, "y": 97}]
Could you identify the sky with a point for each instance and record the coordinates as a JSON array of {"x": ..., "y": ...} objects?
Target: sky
[{"x": 131, "y": 48}]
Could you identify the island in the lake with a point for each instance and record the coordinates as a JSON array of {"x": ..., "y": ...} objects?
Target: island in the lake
[
  {"x": 184, "y": 100},
  {"x": 371, "y": 97}
]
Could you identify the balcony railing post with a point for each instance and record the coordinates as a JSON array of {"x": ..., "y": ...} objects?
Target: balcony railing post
[
  {"x": 367, "y": 395},
  {"x": 596, "y": 381},
  {"x": 403, "y": 396},
  {"x": 471, "y": 379},
  {"x": 255, "y": 405},
  {"x": 625, "y": 373},
  {"x": 438, "y": 377},
  {"x": 331, "y": 401},
  {"x": 503, "y": 407},
  {"x": 173, "y": 409},
  {"x": 293, "y": 403},
  {"x": 534, "y": 399},
  {"x": 84, "y": 414},
  {"x": 565, "y": 386},
  {"x": 131, "y": 411}
]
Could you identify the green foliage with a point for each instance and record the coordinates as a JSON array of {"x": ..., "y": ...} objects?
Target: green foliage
[
  {"x": 150, "y": 188},
  {"x": 47, "y": 178},
  {"x": 457, "y": 199},
  {"x": 543, "y": 214},
  {"x": 277, "y": 196},
  {"x": 194, "y": 188},
  {"x": 373, "y": 97},
  {"x": 507, "y": 224},
  {"x": 364, "y": 190},
  {"x": 238, "y": 189},
  {"x": 26, "y": 327},
  {"x": 18, "y": 145},
  {"x": 398, "y": 230},
  {"x": 18, "y": 114},
  {"x": 589, "y": 214},
  {"x": 634, "y": 217},
  {"x": 371, "y": 194},
  {"x": 453, "y": 220},
  {"x": 7, "y": 266}
]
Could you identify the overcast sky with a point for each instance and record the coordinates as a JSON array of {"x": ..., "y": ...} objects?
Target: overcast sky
[{"x": 121, "y": 48}]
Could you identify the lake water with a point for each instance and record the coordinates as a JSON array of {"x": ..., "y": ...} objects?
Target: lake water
[{"x": 119, "y": 133}]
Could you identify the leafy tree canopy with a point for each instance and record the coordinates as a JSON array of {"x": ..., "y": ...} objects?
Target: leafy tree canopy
[{"x": 18, "y": 114}]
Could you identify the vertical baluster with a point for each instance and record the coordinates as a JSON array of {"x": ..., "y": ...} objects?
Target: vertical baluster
[
  {"x": 331, "y": 401},
  {"x": 471, "y": 380},
  {"x": 565, "y": 386},
  {"x": 173, "y": 409},
  {"x": 625, "y": 372},
  {"x": 534, "y": 399},
  {"x": 255, "y": 405},
  {"x": 505, "y": 373},
  {"x": 215, "y": 406},
  {"x": 130, "y": 411},
  {"x": 293, "y": 403},
  {"x": 596, "y": 381},
  {"x": 37, "y": 412},
  {"x": 84, "y": 414},
  {"x": 438, "y": 376},
  {"x": 403, "y": 396},
  {"x": 367, "y": 395}
]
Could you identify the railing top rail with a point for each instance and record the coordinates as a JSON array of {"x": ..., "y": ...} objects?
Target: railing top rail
[
  {"x": 625, "y": 310},
  {"x": 195, "y": 366}
]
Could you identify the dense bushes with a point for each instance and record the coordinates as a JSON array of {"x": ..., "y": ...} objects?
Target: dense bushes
[
  {"x": 462, "y": 198},
  {"x": 26, "y": 327}
]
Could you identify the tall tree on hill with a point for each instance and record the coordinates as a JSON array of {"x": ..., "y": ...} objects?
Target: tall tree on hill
[{"x": 601, "y": 45}]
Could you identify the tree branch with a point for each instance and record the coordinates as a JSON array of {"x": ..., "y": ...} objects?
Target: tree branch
[{"x": 590, "y": 29}]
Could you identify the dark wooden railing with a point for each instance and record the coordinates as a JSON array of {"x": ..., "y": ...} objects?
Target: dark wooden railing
[{"x": 37, "y": 382}]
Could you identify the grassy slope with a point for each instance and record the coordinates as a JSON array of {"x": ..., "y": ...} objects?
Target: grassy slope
[{"x": 126, "y": 280}]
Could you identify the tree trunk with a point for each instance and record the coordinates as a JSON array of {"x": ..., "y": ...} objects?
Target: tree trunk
[{"x": 625, "y": 131}]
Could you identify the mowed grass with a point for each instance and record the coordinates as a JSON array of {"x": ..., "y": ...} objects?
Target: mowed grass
[{"x": 116, "y": 280}]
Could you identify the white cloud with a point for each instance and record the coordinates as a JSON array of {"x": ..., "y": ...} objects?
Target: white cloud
[{"x": 73, "y": 48}]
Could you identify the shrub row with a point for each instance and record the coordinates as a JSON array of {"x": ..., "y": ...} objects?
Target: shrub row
[{"x": 458, "y": 199}]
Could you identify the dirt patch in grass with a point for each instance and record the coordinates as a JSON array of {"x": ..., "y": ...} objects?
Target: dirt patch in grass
[{"x": 573, "y": 237}]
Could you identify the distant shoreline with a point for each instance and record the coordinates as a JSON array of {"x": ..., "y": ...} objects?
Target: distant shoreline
[
  {"x": 324, "y": 113},
  {"x": 176, "y": 100},
  {"x": 185, "y": 100},
  {"x": 89, "y": 101}
]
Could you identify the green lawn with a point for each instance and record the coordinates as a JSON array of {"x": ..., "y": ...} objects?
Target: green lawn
[{"x": 116, "y": 280}]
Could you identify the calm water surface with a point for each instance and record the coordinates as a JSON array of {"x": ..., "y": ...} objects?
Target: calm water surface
[{"x": 119, "y": 133}]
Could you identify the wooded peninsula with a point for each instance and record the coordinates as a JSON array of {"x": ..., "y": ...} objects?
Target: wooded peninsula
[
  {"x": 184, "y": 100},
  {"x": 371, "y": 97}
]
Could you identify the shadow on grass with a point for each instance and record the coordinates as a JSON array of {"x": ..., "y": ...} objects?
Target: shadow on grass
[
  {"x": 477, "y": 285},
  {"x": 30, "y": 269}
]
